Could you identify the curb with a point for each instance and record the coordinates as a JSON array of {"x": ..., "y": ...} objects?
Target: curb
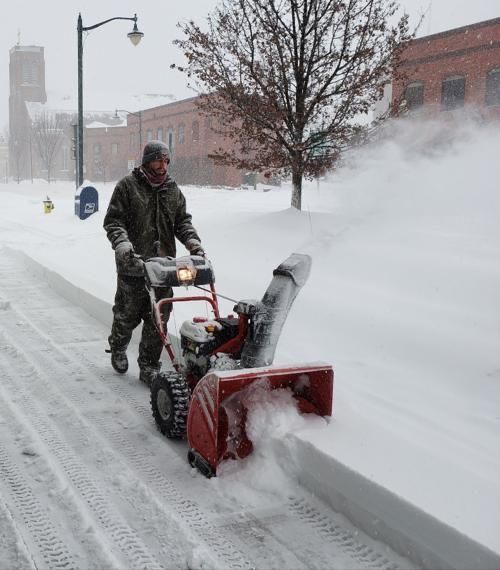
[
  {"x": 97, "y": 308},
  {"x": 385, "y": 516}
]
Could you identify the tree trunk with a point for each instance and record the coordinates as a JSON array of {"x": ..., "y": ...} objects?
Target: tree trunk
[{"x": 297, "y": 188}]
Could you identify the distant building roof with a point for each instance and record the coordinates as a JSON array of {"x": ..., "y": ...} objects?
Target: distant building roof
[
  {"x": 453, "y": 31},
  {"x": 104, "y": 102},
  {"x": 33, "y": 49},
  {"x": 100, "y": 125}
]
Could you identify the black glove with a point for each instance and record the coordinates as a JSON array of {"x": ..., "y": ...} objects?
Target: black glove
[
  {"x": 124, "y": 252},
  {"x": 194, "y": 247},
  {"x": 199, "y": 251}
]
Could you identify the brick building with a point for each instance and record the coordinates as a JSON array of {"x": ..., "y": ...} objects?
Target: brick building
[
  {"x": 112, "y": 146},
  {"x": 105, "y": 152},
  {"x": 111, "y": 151},
  {"x": 452, "y": 69},
  {"x": 191, "y": 141}
]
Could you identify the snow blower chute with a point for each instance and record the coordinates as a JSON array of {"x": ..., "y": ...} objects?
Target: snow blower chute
[{"x": 224, "y": 357}]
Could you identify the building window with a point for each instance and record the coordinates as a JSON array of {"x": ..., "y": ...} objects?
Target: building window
[
  {"x": 30, "y": 73},
  {"x": 414, "y": 95},
  {"x": 170, "y": 139},
  {"x": 132, "y": 141},
  {"x": 182, "y": 134},
  {"x": 453, "y": 92},
  {"x": 493, "y": 87},
  {"x": 159, "y": 134},
  {"x": 97, "y": 150},
  {"x": 149, "y": 135},
  {"x": 195, "y": 129},
  {"x": 114, "y": 149},
  {"x": 208, "y": 127}
]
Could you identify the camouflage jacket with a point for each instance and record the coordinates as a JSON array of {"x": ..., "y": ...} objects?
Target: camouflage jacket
[{"x": 143, "y": 215}]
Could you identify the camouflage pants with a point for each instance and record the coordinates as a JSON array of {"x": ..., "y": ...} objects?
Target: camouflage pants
[{"x": 133, "y": 305}]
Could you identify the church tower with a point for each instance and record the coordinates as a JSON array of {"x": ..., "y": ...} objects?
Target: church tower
[
  {"x": 27, "y": 83},
  {"x": 27, "y": 73}
]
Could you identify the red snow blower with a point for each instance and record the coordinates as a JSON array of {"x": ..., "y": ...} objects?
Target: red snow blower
[{"x": 223, "y": 357}]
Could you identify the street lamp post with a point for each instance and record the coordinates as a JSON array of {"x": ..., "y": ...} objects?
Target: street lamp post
[
  {"x": 139, "y": 116},
  {"x": 135, "y": 37}
]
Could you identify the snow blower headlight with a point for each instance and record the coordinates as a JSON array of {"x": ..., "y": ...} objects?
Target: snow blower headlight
[{"x": 186, "y": 272}]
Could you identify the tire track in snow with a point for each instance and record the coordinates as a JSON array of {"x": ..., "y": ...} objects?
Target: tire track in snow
[
  {"x": 185, "y": 508},
  {"x": 166, "y": 487},
  {"x": 168, "y": 495},
  {"x": 257, "y": 531},
  {"x": 55, "y": 364},
  {"x": 120, "y": 533},
  {"x": 42, "y": 530},
  {"x": 29, "y": 462},
  {"x": 366, "y": 556},
  {"x": 13, "y": 550},
  {"x": 201, "y": 525},
  {"x": 234, "y": 538}
]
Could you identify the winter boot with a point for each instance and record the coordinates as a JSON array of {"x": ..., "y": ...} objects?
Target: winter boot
[
  {"x": 119, "y": 360},
  {"x": 148, "y": 373}
]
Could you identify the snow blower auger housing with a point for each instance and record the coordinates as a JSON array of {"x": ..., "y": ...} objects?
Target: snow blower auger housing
[{"x": 203, "y": 398}]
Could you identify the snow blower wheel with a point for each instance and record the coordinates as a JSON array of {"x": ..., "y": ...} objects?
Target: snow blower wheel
[{"x": 169, "y": 403}]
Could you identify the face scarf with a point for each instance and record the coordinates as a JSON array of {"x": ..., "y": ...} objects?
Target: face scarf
[{"x": 154, "y": 179}]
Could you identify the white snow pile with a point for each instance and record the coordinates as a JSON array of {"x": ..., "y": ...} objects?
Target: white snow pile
[{"x": 271, "y": 416}]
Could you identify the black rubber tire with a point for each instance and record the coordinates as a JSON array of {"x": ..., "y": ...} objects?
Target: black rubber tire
[{"x": 170, "y": 403}]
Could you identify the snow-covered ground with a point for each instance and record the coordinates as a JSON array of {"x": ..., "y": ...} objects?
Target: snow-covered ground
[{"x": 403, "y": 300}]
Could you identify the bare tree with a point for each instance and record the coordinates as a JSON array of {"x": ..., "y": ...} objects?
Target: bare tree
[
  {"x": 48, "y": 132},
  {"x": 287, "y": 79}
]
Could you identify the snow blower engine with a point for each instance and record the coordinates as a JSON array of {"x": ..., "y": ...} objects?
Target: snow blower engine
[{"x": 203, "y": 397}]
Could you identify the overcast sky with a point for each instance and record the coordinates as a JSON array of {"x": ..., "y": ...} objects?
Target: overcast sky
[{"x": 115, "y": 71}]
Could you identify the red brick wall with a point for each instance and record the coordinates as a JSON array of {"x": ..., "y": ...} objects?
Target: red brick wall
[
  {"x": 105, "y": 165},
  {"x": 471, "y": 51},
  {"x": 191, "y": 141},
  {"x": 179, "y": 125}
]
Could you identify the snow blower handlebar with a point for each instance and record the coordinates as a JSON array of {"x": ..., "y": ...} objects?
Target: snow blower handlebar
[
  {"x": 181, "y": 271},
  {"x": 164, "y": 272}
]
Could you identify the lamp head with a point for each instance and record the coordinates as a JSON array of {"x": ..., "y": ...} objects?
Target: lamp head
[{"x": 135, "y": 35}]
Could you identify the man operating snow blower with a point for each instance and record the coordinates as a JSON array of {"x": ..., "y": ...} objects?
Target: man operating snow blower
[{"x": 147, "y": 211}]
